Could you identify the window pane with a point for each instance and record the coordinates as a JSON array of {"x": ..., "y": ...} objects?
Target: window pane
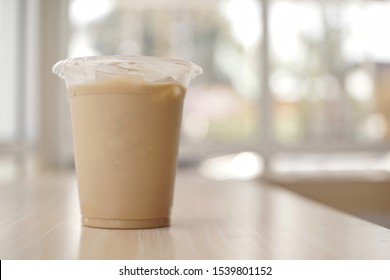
[
  {"x": 8, "y": 54},
  {"x": 221, "y": 36},
  {"x": 330, "y": 69}
]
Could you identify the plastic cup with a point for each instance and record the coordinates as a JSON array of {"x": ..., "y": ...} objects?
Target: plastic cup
[{"x": 126, "y": 115}]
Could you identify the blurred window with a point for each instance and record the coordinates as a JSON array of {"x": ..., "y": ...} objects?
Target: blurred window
[
  {"x": 330, "y": 68},
  {"x": 328, "y": 65},
  {"x": 279, "y": 75},
  {"x": 9, "y": 25},
  {"x": 18, "y": 78}
]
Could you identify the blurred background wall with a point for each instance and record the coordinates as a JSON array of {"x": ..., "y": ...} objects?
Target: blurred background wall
[{"x": 302, "y": 83}]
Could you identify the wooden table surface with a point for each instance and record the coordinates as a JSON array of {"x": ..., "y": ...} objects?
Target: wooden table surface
[{"x": 40, "y": 219}]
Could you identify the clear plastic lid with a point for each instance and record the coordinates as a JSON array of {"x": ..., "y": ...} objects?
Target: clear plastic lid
[{"x": 87, "y": 70}]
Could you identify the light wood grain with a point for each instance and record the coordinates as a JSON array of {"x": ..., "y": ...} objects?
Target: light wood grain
[{"x": 39, "y": 219}]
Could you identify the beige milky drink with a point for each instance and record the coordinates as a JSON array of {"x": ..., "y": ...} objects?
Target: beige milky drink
[{"x": 126, "y": 121}]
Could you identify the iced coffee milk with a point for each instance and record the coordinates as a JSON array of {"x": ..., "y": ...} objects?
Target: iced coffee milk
[
  {"x": 126, "y": 115},
  {"x": 126, "y": 136}
]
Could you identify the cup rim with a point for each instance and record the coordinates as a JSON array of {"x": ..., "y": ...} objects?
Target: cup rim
[{"x": 61, "y": 65}]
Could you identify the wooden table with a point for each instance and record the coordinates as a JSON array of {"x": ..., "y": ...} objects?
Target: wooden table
[{"x": 40, "y": 219}]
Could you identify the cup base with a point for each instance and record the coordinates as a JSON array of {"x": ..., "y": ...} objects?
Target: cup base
[{"x": 125, "y": 224}]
